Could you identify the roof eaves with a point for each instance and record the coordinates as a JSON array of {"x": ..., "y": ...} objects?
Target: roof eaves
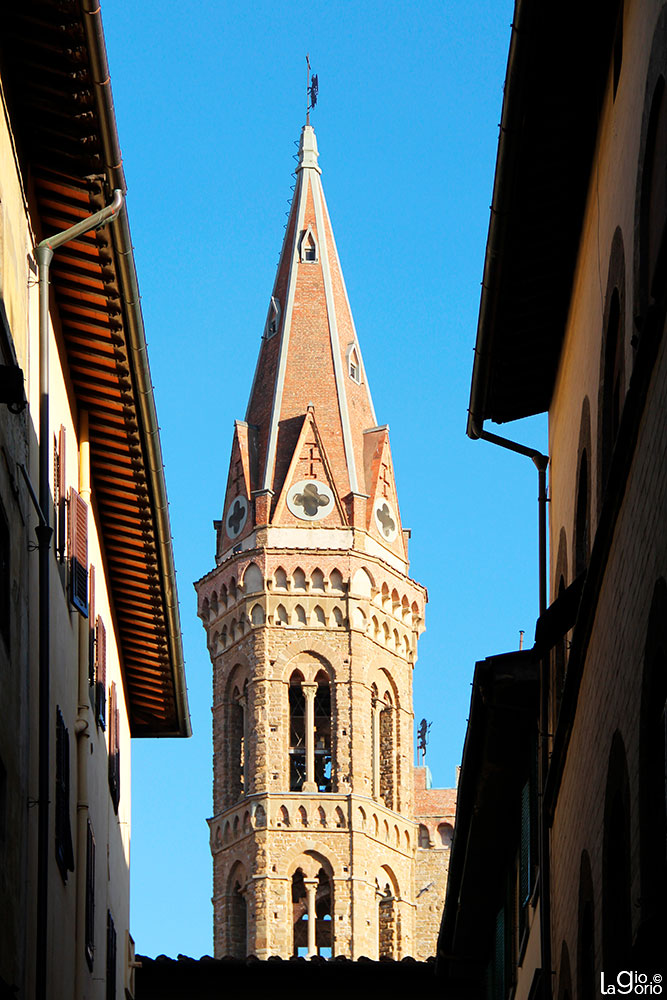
[{"x": 138, "y": 359}]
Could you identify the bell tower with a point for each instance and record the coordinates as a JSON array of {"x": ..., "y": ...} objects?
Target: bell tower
[{"x": 312, "y": 624}]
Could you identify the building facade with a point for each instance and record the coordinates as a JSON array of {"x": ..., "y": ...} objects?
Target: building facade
[
  {"x": 562, "y": 805},
  {"x": 90, "y": 648},
  {"x": 312, "y": 623}
]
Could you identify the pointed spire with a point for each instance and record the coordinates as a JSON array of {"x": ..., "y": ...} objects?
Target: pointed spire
[{"x": 310, "y": 386}]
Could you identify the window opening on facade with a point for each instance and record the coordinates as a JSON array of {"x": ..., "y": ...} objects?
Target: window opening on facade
[
  {"x": 237, "y": 722},
  {"x": 273, "y": 318},
  {"x": 63, "y": 844},
  {"x": 581, "y": 525},
  {"x": 297, "y": 714},
  {"x": 312, "y": 913},
  {"x": 89, "y": 917},
  {"x": 387, "y": 923},
  {"x": 238, "y": 919},
  {"x": 308, "y": 246},
  {"x": 353, "y": 366},
  {"x": 323, "y": 735}
]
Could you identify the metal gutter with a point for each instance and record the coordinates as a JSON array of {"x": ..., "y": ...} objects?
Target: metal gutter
[
  {"x": 493, "y": 258},
  {"x": 140, "y": 367}
]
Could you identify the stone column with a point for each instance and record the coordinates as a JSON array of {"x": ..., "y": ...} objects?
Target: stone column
[
  {"x": 309, "y": 691},
  {"x": 311, "y": 891}
]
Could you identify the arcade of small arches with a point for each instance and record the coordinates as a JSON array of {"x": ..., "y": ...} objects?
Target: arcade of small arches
[
  {"x": 362, "y": 586},
  {"x": 432, "y": 835},
  {"x": 310, "y": 889},
  {"x": 290, "y": 813},
  {"x": 386, "y": 626}
]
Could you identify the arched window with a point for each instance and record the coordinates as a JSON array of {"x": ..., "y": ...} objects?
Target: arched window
[
  {"x": 446, "y": 834},
  {"x": 253, "y": 581},
  {"x": 299, "y": 579},
  {"x": 616, "y": 875},
  {"x": 237, "y": 741},
  {"x": 238, "y": 917},
  {"x": 424, "y": 839},
  {"x": 612, "y": 386},
  {"x": 280, "y": 579},
  {"x": 312, "y": 913},
  {"x": 353, "y": 365},
  {"x": 299, "y": 615},
  {"x": 587, "y": 986},
  {"x": 387, "y": 915},
  {"x": 582, "y": 516},
  {"x": 653, "y": 212},
  {"x": 257, "y": 614},
  {"x": 564, "y": 974},
  {"x": 653, "y": 771},
  {"x": 272, "y": 318},
  {"x": 308, "y": 246},
  {"x": 317, "y": 581}
]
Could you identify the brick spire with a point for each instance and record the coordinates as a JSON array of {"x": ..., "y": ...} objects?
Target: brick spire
[{"x": 310, "y": 416}]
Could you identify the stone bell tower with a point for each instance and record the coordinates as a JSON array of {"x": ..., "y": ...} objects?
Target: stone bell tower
[{"x": 312, "y": 624}]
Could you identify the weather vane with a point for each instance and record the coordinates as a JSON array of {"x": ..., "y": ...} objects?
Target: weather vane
[
  {"x": 311, "y": 91},
  {"x": 422, "y": 738}
]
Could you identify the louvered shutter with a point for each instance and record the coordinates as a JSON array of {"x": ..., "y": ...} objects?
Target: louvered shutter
[
  {"x": 89, "y": 921},
  {"x": 92, "y": 624},
  {"x": 499, "y": 954},
  {"x": 63, "y": 844},
  {"x": 111, "y": 958},
  {"x": 78, "y": 520},
  {"x": 62, "y": 493},
  {"x": 101, "y": 673},
  {"x": 114, "y": 747}
]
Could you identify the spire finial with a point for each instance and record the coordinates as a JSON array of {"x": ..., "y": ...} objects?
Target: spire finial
[{"x": 311, "y": 90}]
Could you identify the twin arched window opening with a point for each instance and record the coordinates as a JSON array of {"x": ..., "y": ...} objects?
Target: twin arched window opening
[
  {"x": 310, "y": 733},
  {"x": 312, "y": 915}
]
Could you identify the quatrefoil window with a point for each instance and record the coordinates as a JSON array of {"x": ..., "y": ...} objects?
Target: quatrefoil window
[
  {"x": 310, "y": 500},
  {"x": 237, "y": 515},
  {"x": 385, "y": 519}
]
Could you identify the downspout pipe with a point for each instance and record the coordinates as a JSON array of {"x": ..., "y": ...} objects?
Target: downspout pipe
[
  {"x": 44, "y": 254},
  {"x": 541, "y": 462}
]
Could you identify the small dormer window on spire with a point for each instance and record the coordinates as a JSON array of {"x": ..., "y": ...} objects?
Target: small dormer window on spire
[
  {"x": 308, "y": 246},
  {"x": 353, "y": 364},
  {"x": 273, "y": 318}
]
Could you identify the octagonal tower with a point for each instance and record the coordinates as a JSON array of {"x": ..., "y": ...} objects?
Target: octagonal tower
[{"x": 312, "y": 624}]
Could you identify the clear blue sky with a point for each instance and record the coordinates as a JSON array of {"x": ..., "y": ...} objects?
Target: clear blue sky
[{"x": 209, "y": 100}]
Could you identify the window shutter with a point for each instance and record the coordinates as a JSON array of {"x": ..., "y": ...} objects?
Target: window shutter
[
  {"x": 91, "y": 622},
  {"x": 111, "y": 958},
  {"x": 100, "y": 673},
  {"x": 78, "y": 521},
  {"x": 90, "y": 897},
  {"x": 499, "y": 958},
  {"x": 63, "y": 845},
  {"x": 114, "y": 747},
  {"x": 61, "y": 486}
]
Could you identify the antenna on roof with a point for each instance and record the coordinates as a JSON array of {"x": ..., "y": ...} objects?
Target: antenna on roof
[{"x": 311, "y": 90}]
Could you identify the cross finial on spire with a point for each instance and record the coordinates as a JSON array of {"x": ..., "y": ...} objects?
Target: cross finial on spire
[{"x": 311, "y": 90}]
